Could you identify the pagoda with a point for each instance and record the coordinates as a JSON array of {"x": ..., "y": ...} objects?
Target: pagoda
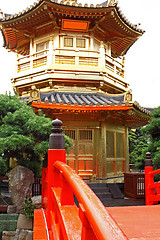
[{"x": 70, "y": 63}]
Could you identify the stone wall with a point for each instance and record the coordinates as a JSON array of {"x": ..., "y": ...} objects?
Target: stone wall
[
  {"x": 19, "y": 234},
  {"x": 8, "y": 235}
]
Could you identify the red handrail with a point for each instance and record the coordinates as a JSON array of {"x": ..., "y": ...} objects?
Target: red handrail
[
  {"x": 155, "y": 172},
  {"x": 100, "y": 220},
  {"x": 66, "y": 221},
  {"x": 152, "y": 189}
]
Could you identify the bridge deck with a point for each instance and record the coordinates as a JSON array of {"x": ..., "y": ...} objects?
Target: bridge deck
[{"x": 140, "y": 222}]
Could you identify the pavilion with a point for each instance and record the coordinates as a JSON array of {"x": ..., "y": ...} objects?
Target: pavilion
[{"x": 70, "y": 63}]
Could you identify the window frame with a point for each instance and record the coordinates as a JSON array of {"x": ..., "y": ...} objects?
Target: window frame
[
  {"x": 115, "y": 145},
  {"x": 45, "y": 46},
  {"x": 41, "y": 53},
  {"x": 75, "y": 42},
  {"x": 67, "y": 37},
  {"x": 79, "y": 38}
]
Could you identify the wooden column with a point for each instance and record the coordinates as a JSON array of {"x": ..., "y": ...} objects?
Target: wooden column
[
  {"x": 102, "y": 56},
  {"x": 50, "y": 53},
  {"x": 31, "y": 53}
]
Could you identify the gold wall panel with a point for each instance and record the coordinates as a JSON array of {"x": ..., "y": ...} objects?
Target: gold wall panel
[
  {"x": 119, "y": 166},
  {"x": 109, "y": 167}
]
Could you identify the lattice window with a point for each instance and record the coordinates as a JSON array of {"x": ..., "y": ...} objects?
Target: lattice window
[
  {"x": 68, "y": 42},
  {"x": 42, "y": 46},
  {"x": 110, "y": 144},
  {"x": 80, "y": 42},
  {"x": 114, "y": 144},
  {"x": 70, "y": 133},
  {"x": 119, "y": 145},
  {"x": 85, "y": 134}
]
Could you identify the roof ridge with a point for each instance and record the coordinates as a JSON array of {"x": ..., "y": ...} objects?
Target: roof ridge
[{"x": 106, "y": 4}]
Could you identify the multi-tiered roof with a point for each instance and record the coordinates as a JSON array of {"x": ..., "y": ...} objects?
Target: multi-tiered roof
[
  {"x": 109, "y": 25},
  {"x": 106, "y": 20}
]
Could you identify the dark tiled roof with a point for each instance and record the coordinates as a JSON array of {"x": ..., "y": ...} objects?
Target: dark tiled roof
[
  {"x": 149, "y": 109},
  {"x": 82, "y": 98},
  {"x": 85, "y": 99},
  {"x": 6, "y": 15}
]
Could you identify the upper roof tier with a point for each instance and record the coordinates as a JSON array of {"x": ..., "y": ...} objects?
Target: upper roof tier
[{"x": 105, "y": 20}]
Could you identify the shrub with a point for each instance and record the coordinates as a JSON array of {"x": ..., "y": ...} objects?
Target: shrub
[
  {"x": 28, "y": 209},
  {"x": 3, "y": 167},
  {"x": 24, "y": 136}
]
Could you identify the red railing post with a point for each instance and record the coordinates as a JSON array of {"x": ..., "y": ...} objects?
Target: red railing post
[
  {"x": 67, "y": 197},
  {"x": 44, "y": 188},
  {"x": 149, "y": 192},
  {"x": 56, "y": 152},
  {"x": 87, "y": 232}
]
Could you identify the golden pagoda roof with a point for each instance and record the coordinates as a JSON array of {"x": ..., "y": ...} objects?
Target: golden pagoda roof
[{"x": 106, "y": 20}]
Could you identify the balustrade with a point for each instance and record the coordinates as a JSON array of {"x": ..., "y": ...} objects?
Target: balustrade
[{"x": 72, "y": 57}]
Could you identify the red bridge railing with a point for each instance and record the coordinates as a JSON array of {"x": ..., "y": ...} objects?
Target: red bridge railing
[
  {"x": 152, "y": 188},
  {"x": 65, "y": 220}
]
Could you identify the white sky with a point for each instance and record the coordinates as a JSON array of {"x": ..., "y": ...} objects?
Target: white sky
[{"x": 142, "y": 59}]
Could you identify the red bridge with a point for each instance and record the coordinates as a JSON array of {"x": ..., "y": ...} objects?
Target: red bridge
[{"x": 61, "y": 219}]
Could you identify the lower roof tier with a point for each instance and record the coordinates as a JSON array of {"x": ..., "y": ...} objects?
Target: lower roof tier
[{"x": 112, "y": 106}]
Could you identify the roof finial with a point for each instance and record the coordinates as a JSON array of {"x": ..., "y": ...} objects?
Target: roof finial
[
  {"x": 70, "y": 1},
  {"x": 1, "y": 14},
  {"x": 111, "y": 2}
]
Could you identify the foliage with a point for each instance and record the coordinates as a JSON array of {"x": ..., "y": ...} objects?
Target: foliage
[
  {"x": 24, "y": 135},
  {"x": 153, "y": 130},
  {"x": 146, "y": 139},
  {"x": 68, "y": 143},
  {"x": 3, "y": 167},
  {"x": 28, "y": 209},
  {"x": 138, "y": 146}
]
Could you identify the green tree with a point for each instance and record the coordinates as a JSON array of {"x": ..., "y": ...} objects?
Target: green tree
[
  {"x": 23, "y": 134},
  {"x": 138, "y": 146},
  {"x": 3, "y": 167},
  {"x": 153, "y": 130}
]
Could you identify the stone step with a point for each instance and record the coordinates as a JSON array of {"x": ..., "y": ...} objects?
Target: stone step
[
  {"x": 4, "y": 191},
  {"x": 4, "y": 185},
  {"x": 100, "y": 190},
  {"x": 96, "y": 185},
  {"x": 104, "y": 195},
  {"x": 8, "y": 235},
  {"x": 107, "y": 202},
  {"x": 106, "y": 191},
  {"x": 8, "y": 217},
  {"x": 8, "y": 225},
  {"x": 115, "y": 191},
  {"x": 8, "y": 222}
]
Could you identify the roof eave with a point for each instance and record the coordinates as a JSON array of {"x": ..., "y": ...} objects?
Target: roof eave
[
  {"x": 4, "y": 38},
  {"x": 11, "y": 18}
]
